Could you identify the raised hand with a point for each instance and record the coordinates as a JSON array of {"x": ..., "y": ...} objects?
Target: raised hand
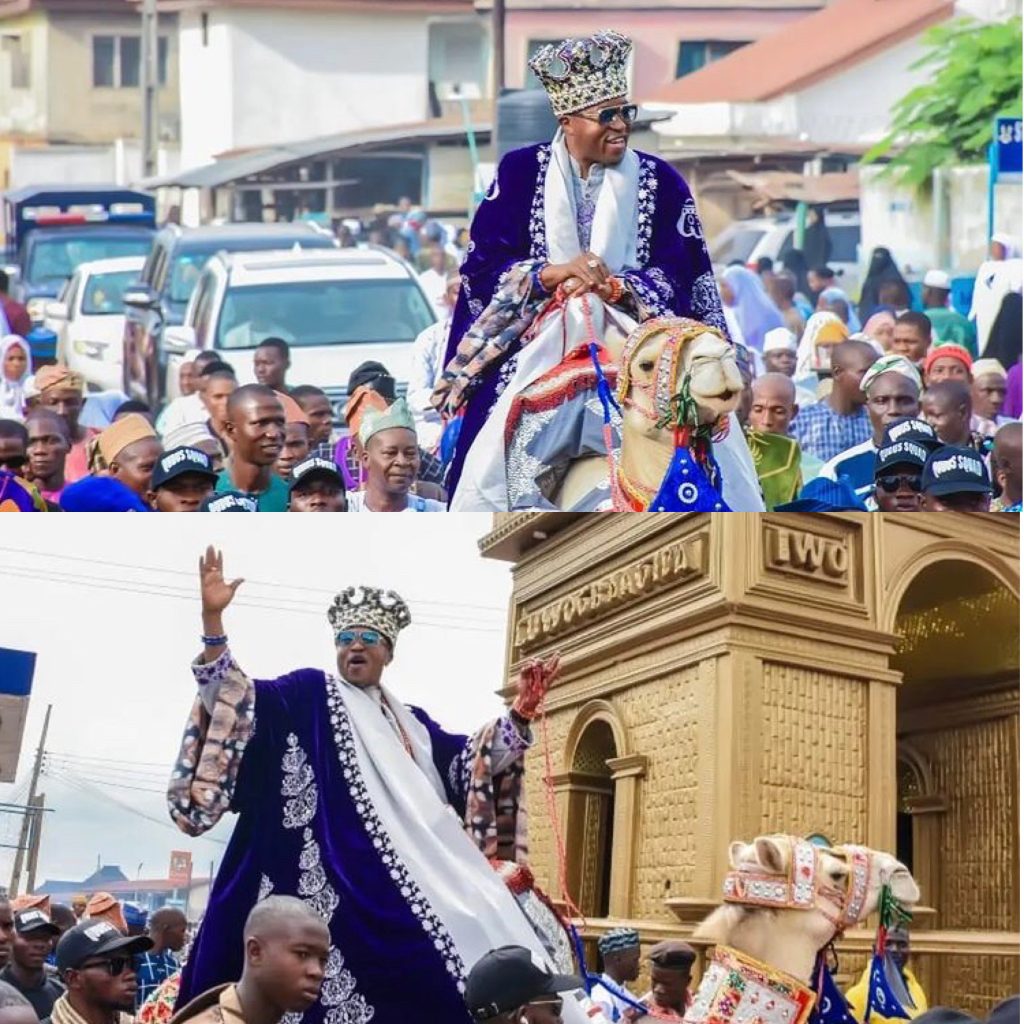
[
  {"x": 535, "y": 678},
  {"x": 216, "y": 592}
]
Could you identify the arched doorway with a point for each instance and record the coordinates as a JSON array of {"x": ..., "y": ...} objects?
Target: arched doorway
[
  {"x": 957, "y": 767},
  {"x": 591, "y": 819}
]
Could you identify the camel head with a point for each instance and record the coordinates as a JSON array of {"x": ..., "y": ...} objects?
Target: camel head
[
  {"x": 786, "y": 899},
  {"x": 667, "y": 357}
]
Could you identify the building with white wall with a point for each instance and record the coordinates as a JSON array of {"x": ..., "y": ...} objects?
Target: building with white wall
[{"x": 257, "y": 75}]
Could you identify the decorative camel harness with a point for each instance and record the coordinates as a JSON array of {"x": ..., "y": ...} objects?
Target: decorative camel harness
[
  {"x": 736, "y": 987},
  {"x": 693, "y": 481}
]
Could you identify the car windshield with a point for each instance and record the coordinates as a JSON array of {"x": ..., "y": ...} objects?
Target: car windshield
[
  {"x": 323, "y": 313},
  {"x": 185, "y": 274},
  {"x": 188, "y": 263},
  {"x": 103, "y": 292},
  {"x": 735, "y": 244},
  {"x": 54, "y": 259}
]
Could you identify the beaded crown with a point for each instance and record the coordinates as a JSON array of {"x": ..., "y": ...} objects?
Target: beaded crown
[
  {"x": 577, "y": 73},
  {"x": 372, "y": 607}
]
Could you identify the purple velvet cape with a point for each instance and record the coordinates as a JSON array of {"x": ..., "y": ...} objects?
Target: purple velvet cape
[
  {"x": 674, "y": 275},
  {"x": 399, "y": 967}
]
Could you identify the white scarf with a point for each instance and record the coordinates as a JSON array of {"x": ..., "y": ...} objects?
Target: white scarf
[
  {"x": 613, "y": 235},
  {"x": 477, "y": 909}
]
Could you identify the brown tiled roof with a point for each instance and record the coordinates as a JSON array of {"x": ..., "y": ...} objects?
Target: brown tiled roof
[{"x": 841, "y": 35}]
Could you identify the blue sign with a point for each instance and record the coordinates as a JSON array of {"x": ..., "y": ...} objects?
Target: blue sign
[
  {"x": 16, "y": 671},
  {"x": 1009, "y": 148}
]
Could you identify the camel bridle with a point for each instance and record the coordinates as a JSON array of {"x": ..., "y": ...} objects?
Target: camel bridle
[{"x": 801, "y": 888}]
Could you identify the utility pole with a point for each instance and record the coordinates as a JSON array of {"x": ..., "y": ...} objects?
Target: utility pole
[
  {"x": 35, "y": 840},
  {"x": 498, "y": 45},
  {"x": 150, "y": 87},
  {"x": 31, "y": 810}
]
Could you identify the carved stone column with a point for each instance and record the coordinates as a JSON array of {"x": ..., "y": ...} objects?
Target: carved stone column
[{"x": 627, "y": 774}]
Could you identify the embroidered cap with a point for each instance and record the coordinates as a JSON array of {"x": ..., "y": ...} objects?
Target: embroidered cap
[
  {"x": 382, "y": 610},
  {"x": 396, "y": 415},
  {"x": 510, "y": 977},
  {"x": 96, "y": 938},
  {"x": 577, "y": 73},
  {"x": 618, "y": 940}
]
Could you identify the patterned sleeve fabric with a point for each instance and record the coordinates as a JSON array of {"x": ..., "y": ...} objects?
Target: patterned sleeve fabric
[
  {"x": 483, "y": 778},
  {"x": 675, "y": 275},
  {"x": 206, "y": 770}
]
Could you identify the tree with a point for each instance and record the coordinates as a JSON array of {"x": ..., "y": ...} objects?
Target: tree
[{"x": 974, "y": 73}]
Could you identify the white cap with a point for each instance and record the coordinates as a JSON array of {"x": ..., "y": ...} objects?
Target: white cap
[
  {"x": 779, "y": 338},
  {"x": 937, "y": 279}
]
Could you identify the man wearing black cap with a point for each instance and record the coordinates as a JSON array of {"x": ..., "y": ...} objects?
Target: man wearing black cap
[
  {"x": 671, "y": 970},
  {"x": 94, "y": 960},
  {"x": 230, "y": 501},
  {"x": 182, "y": 479},
  {"x": 899, "y": 461},
  {"x": 956, "y": 480},
  {"x": 316, "y": 485},
  {"x": 34, "y": 933},
  {"x": 511, "y": 986}
]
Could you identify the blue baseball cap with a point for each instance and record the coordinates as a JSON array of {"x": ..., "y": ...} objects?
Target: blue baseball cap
[
  {"x": 824, "y": 495},
  {"x": 179, "y": 461}
]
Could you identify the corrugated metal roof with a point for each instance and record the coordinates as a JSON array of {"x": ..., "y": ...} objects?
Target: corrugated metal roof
[{"x": 234, "y": 168}]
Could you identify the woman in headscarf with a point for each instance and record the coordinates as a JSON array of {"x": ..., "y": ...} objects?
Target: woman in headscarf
[
  {"x": 881, "y": 269},
  {"x": 15, "y": 367},
  {"x": 743, "y": 291},
  {"x": 835, "y": 300},
  {"x": 824, "y": 328},
  {"x": 880, "y": 326}
]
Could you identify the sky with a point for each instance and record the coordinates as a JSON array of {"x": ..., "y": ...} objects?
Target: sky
[{"x": 111, "y": 606}]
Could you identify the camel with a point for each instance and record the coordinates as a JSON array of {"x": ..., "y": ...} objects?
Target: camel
[
  {"x": 661, "y": 360},
  {"x": 785, "y": 901}
]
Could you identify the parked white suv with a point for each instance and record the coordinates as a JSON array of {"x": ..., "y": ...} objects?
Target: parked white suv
[
  {"x": 749, "y": 240},
  {"x": 88, "y": 319},
  {"x": 336, "y": 308}
]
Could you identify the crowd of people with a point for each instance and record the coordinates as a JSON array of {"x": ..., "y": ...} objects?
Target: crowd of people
[
  {"x": 829, "y": 387},
  {"x": 101, "y": 962},
  {"x": 832, "y": 385},
  {"x": 95, "y": 960}
]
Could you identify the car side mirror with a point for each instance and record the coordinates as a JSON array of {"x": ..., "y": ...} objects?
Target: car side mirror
[
  {"x": 139, "y": 295},
  {"x": 56, "y": 310},
  {"x": 178, "y": 339}
]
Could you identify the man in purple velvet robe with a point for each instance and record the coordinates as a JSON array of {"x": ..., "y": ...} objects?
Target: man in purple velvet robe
[
  {"x": 583, "y": 212},
  {"x": 367, "y": 810}
]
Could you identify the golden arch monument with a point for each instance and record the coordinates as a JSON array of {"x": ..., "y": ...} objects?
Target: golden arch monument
[{"x": 851, "y": 677}]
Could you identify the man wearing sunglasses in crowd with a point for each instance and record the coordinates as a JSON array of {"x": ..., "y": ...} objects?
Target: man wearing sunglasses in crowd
[
  {"x": 581, "y": 215},
  {"x": 94, "y": 961},
  {"x": 899, "y": 462},
  {"x": 510, "y": 986},
  {"x": 364, "y": 807}
]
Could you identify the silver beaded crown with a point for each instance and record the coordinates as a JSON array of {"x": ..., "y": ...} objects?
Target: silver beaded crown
[
  {"x": 372, "y": 607},
  {"x": 577, "y": 73}
]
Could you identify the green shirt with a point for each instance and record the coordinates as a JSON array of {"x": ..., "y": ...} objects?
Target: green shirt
[
  {"x": 953, "y": 328},
  {"x": 273, "y": 499}
]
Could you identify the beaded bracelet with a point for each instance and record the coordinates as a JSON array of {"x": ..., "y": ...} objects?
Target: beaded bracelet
[
  {"x": 538, "y": 284},
  {"x": 214, "y": 641}
]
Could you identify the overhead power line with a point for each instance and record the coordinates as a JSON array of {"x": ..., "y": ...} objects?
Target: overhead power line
[
  {"x": 164, "y": 590},
  {"x": 276, "y": 585}
]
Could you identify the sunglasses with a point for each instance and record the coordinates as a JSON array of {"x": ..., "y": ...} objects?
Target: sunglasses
[
  {"x": 891, "y": 482},
  {"x": 14, "y": 462},
  {"x": 367, "y": 637},
  {"x": 115, "y": 966},
  {"x": 605, "y": 117},
  {"x": 555, "y": 1004}
]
